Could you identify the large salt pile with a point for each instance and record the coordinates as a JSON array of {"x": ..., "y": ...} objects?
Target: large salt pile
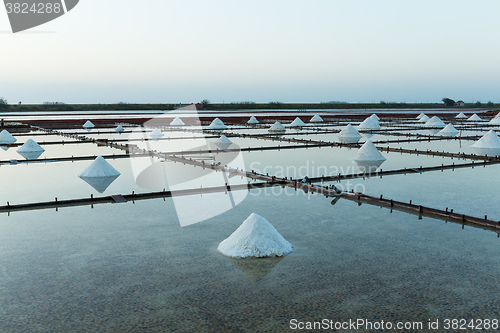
[
  {"x": 461, "y": 115},
  {"x": 252, "y": 120},
  {"x": 435, "y": 122},
  {"x": 448, "y": 130},
  {"x": 119, "y": 129},
  {"x": 369, "y": 158},
  {"x": 277, "y": 127},
  {"x": 349, "y": 134},
  {"x": 420, "y": 116},
  {"x": 255, "y": 238},
  {"x": 316, "y": 119},
  {"x": 156, "y": 134},
  {"x": 297, "y": 123},
  {"x": 177, "y": 122},
  {"x": 490, "y": 141},
  {"x": 424, "y": 119},
  {"x": 223, "y": 142},
  {"x": 495, "y": 120},
  {"x": 6, "y": 137},
  {"x": 30, "y": 150},
  {"x": 474, "y": 117},
  {"x": 369, "y": 124},
  {"x": 100, "y": 174},
  {"x": 217, "y": 124},
  {"x": 88, "y": 124}
]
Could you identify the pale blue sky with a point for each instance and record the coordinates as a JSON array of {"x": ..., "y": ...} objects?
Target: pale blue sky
[{"x": 162, "y": 51}]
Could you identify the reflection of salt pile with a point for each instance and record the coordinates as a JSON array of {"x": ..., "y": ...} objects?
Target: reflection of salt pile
[
  {"x": 252, "y": 120},
  {"x": 223, "y": 142},
  {"x": 424, "y": 119},
  {"x": 349, "y": 134},
  {"x": 448, "y": 130},
  {"x": 177, "y": 122},
  {"x": 435, "y": 122},
  {"x": 256, "y": 269},
  {"x": 30, "y": 150},
  {"x": 461, "y": 115},
  {"x": 316, "y": 119},
  {"x": 277, "y": 127},
  {"x": 420, "y": 116},
  {"x": 474, "y": 117},
  {"x": 88, "y": 124},
  {"x": 100, "y": 174},
  {"x": 156, "y": 134},
  {"x": 369, "y": 124},
  {"x": 217, "y": 124},
  {"x": 297, "y": 123},
  {"x": 369, "y": 158},
  {"x": 255, "y": 238},
  {"x": 119, "y": 129},
  {"x": 6, "y": 137}
]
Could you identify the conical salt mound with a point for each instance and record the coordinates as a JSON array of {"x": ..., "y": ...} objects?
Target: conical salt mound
[
  {"x": 420, "y": 116},
  {"x": 495, "y": 121},
  {"x": 255, "y": 238},
  {"x": 277, "y": 127},
  {"x": 316, "y": 119},
  {"x": 474, "y": 117},
  {"x": 6, "y": 137},
  {"x": 30, "y": 146},
  {"x": 374, "y": 116},
  {"x": 217, "y": 124},
  {"x": 177, "y": 122},
  {"x": 490, "y": 140},
  {"x": 424, "y": 119},
  {"x": 461, "y": 115},
  {"x": 100, "y": 174},
  {"x": 349, "y": 134},
  {"x": 223, "y": 142},
  {"x": 369, "y": 124},
  {"x": 119, "y": 129},
  {"x": 156, "y": 134},
  {"x": 88, "y": 124},
  {"x": 435, "y": 122},
  {"x": 297, "y": 123},
  {"x": 252, "y": 120},
  {"x": 368, "y": 152},
  {"x": 448, "y": 130}
]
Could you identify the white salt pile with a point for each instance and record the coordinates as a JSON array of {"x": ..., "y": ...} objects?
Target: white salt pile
[
  {"x": 448, "y": 130},
  {"x": 424, "y": 119},
  {"x": 349, "y": 134},
  {"x": 252, "y": 120},
  {"x": 88, "y": 124},
  {"x": 297, "y": 123},
  {"x": 156, "y": 134},
  {"x": 217, "y": 124},
  {"x": 223, "y": 142},
  {"x": 374, "y": 116},
  {"x": 316, "y": 119},
  {"x": 277, "y": 127},
  {"x": 255, "y": 238},
  {"x": 100, "y": 174},
  {"x": 119, "y": 129},
  {"x": 474, "y": 117},
  {"x": 369, "y": 158},
  {"x": 30, "y": 150},
  {"x": 490, "y": 140},
  {"x": 420, "y": 116},
  {"x": 369, "y": 124},
  {"x": 495, "y": 120},
  {"x": 6, "y": 137},
  {"x": 435, "y": 122},
  {"x": 177, "y": 122},
  {"x": 461, "y": 115}
]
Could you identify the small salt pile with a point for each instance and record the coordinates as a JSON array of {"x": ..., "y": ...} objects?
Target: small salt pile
[
  {"x": 420, "y": 116},
  {"x": 424, "y": 119},
  {"x": 316, "y": 119},
  {"x": 435, "y": 122},
  {"x": 30, "y": 150},
  {"x": 177, "y": 122},
  {"x": 448, "y": 130},
  {"x": 461, "y": 115},
  {"x": 489, "y": 141},
  {"x": 369, "y": 124},
  {"x": 156, "y": 134},
  {"x": 255, "y": 238},
  {"x": 297, "y": 123},
  {"x": 277, "y": 127},
  {"x": 119, "y": 129},
  {"x": 88, "y": 124},
  {"x": 223, "y": 142},
  {"x": 349, "y": 134},
  {"x": 474, "y": 117},
  {"x": 99, "y": 174},
  {"x": 252, "y": 120},
  {"x": 6, "y": 137},
  {"x": 369, "y": 158},
  {"x": 217, "y": 124}
]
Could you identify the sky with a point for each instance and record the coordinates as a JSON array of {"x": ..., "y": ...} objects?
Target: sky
[{"x": 162, "y": 51}]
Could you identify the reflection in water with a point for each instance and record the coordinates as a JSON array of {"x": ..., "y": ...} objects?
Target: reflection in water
[
  {"x": 30, "y": 155},
  {"x": 256, "y": 269},
  {"x": 100, "y": 184}
]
